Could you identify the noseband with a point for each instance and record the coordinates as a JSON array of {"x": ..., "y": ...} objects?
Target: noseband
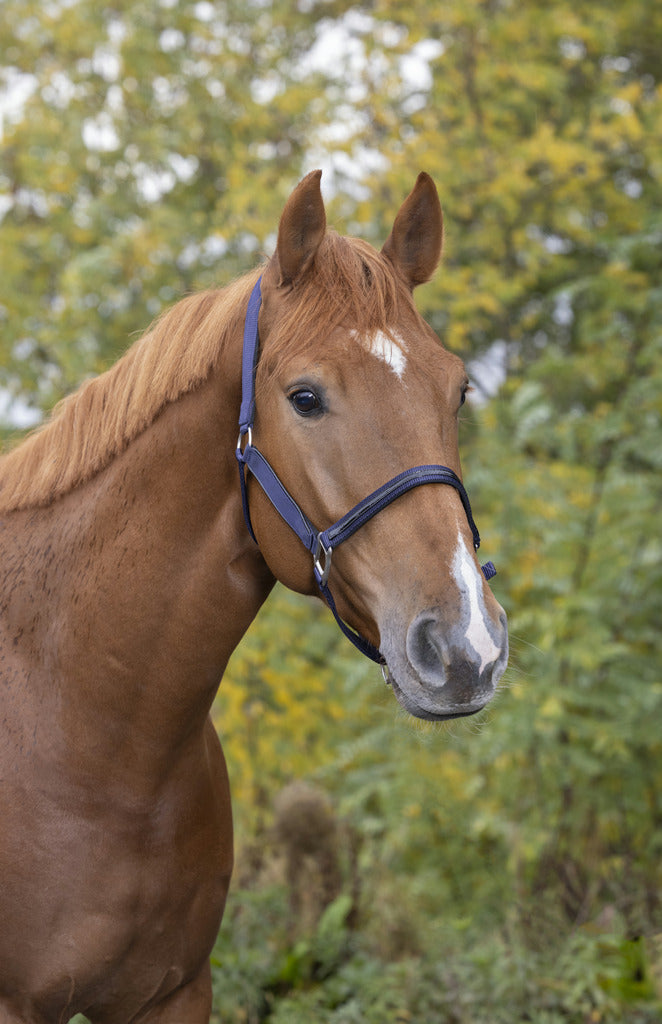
[{"x": 322, "y": 543}]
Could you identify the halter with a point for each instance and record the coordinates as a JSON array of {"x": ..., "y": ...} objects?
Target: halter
[{"x": 322, "y": 543}]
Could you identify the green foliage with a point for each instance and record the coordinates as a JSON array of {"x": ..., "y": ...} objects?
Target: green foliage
[
  {"x": 151, "y": 157},
  {"x": 461, "y": 977},
  {"x": 584, "y": 573}
]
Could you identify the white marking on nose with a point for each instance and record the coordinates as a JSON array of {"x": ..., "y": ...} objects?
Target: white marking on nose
[
  {"x": 390, "y": 348},
  {"x": 468, "y": 581}
]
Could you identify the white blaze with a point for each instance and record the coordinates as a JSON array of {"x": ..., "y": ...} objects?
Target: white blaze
[
  {"x": 390, "y": 348},
  {"x": 477, "y": 634}
]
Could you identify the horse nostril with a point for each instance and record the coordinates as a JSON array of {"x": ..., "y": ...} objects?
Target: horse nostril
[
  {"x": 441, "y": 656},
  {"x": 427, "y": 650}
]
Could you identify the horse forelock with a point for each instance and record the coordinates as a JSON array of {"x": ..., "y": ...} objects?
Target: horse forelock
[
  {"x": 349, "y": 285},
  {"x": 90, "y": 427}
]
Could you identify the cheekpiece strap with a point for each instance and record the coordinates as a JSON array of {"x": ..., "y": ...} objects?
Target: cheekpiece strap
[{"x": 249, "y": 359}]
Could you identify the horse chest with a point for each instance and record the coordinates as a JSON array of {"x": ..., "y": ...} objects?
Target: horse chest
[
  {"x": 134, "y": 913},
  {"x": 111, "y": 960}
]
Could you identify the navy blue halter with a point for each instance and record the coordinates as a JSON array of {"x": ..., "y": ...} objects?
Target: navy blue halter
[{"x": 322, "y": 543}]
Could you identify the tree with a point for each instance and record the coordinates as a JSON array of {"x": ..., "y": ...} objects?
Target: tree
[{"x": 151, "y": 156}]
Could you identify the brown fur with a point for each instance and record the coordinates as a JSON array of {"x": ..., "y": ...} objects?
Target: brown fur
[{"x": 350, "y": 284}]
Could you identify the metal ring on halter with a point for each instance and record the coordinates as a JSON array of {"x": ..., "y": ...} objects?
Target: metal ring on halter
[
  {"x": 322, "y": 570},
  {"x": 248, "y": 434}
]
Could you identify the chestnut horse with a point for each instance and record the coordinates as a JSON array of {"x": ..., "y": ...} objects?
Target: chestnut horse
[{"x": 128, "y": 576}]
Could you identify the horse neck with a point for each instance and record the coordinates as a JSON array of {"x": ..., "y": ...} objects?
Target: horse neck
[{"x": 152, "y": 577}]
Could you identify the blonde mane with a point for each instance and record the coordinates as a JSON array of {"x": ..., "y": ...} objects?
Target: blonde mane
[
  {"x": 350, "y": 283},
  {"x": 99, "y": 420}
]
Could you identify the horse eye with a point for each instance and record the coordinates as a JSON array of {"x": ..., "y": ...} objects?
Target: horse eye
[
  {"x": 463, "y": 397},
  {"x": 305, "y": 402}
]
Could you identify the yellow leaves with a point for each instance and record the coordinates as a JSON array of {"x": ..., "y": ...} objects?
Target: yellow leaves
[
  {"x": 580, "y": 496},
  {"x": 552, "y": 708},
  {"x": 474, "y": 300},
  {"x": 455, "y": 336},
  {"x": 562, "y": 155},
  {"x": 629, "y": 280},
  {"x": 279, "y": 700},
  {"x": 631, "y": 93}
]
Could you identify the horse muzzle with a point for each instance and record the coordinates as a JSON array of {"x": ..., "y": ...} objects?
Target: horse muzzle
[{"x": 447, "y": 672}]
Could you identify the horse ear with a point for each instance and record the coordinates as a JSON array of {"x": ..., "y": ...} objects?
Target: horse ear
[
  {"x": 414, "y": 245},
  {"x": 301, "y": 229}
]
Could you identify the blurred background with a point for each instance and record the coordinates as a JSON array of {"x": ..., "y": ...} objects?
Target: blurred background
[{"x": 505, "y": 868}]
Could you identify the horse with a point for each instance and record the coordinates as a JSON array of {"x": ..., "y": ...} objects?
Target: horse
[{"x": 133, "y": 558}]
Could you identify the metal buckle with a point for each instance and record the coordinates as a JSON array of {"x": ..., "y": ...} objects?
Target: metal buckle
[
  {"x": 322, "y": 570},
  {"x": 248, "y": 433}
]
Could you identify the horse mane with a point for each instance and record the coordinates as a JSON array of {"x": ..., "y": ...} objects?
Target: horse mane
[
  {"x": 349, "y": 283},
  {"x": 90, "y": 427}
]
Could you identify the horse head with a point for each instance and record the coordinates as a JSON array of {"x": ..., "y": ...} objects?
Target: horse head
[{"x": 352, "y": 389}]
